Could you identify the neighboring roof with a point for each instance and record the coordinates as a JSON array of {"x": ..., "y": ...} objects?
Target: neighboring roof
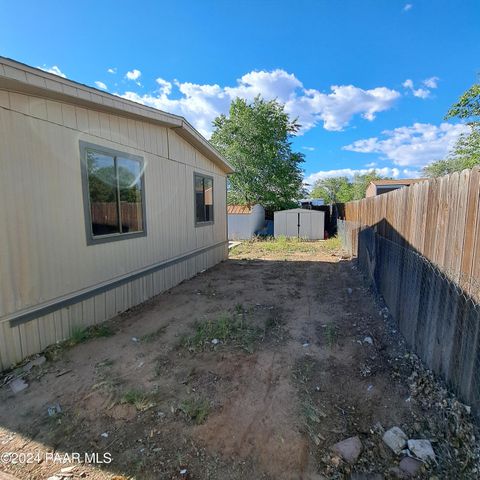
[
  {"x": 21, "y": 78},
  {"x": 401, "y": 181},
  {"x": 238, "y": 209}
]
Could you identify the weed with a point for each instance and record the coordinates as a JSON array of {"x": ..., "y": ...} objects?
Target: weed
[
  {"x": 230, "y": 329},
  {"x": 155, "y": 335},
  {"x": 239, "y": 308},
  {"x": 331, "y": 334},
  {"x": 139, "y": 399},
  {"x": 196, "y": 409},
  {"x": 310, "y": 414},
  {"x": 275, "y": 326},
  {"x": 332, "y": 244},
  {"x": 107, "y": 363},
  {"x": 81, "y": 334},
  {"x": 312, "y": 419},
  {"x": 161, "y": 365}
]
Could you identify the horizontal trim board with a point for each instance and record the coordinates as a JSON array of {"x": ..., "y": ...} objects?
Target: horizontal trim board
[{"x": 25, "y": 316}]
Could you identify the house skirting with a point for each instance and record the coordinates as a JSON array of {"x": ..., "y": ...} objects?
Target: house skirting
[{"x": 30, "y": 331}]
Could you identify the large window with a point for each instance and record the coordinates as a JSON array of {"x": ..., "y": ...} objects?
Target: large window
[
  {"x": 203, "y": 199},
  {"x": 114, "y": 194}
]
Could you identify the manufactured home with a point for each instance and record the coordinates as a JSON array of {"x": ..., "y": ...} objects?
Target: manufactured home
[
  {"x": 379, "y": 187},
  {"x": 104, "y": 204}
]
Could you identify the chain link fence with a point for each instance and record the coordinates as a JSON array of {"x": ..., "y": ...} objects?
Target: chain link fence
[{"x": 438, "y": 312}]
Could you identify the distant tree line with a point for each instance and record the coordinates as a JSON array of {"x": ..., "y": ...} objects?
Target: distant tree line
[{"x": 342, "y": 189}]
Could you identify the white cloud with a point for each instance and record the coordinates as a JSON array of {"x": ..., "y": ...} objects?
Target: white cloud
[
  {"x": 112, "y": 70},
  {"x": 101, "y": 85},
  {"x": 407, "y": 7},
  {"x": 165, "y": 87},
  {"x": 421, "y": 92},
  {"x": 431, "y": 82},
  {"x": 350, "y": 173},
  {"x": 55, "y": 70},
  {"x": 415, "y": 145},
  {"x": 310, "y": 149},
  {"x": 133, "y": 75},
  {"x": 371, "y": 164},
  {"x": 200, "y": 104}
]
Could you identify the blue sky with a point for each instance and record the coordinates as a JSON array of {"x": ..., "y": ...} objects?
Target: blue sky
[{"x": 370, "y": 81}]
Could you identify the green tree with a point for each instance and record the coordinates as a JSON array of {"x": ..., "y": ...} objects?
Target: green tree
[
  {"x": 333, "y": 190},
  {"x": 361, "y": 182},
  {"x": 102, "y": 182},
  {"x": 256, "y": 139},
  {"x": 466, "y": 152}
]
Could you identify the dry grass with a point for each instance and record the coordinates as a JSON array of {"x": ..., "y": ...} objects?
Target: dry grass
[{"x": 283, "y": 246}]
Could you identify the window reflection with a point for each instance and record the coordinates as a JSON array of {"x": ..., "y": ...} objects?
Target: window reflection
[{"x": 115, "y": 193}]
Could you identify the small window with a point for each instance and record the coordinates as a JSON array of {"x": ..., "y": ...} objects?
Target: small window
[
  {"x": 203, "y": 199},
  {"x": 114, "y": 194}
]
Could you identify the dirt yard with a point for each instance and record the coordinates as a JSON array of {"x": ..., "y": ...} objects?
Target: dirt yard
[{"x": 251, "y": 370}]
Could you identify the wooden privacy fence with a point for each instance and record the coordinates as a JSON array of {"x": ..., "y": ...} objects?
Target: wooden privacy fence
[
  {"x": 104, "y": 213},
  {"x": 420, "y": 248},
  {"x": 438, "y": 218}
]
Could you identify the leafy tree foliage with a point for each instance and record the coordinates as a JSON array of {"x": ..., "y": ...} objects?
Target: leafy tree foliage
[
  {"x": 361, "y": 182},
  {"x": 102, "y": 184},
  {"x": 468, "y": 105},
  {"x": 333, "y": 190},
  {"x": 466, "y": 152},
  {"x": 341, "y": 190},
  {"x": 255, "y": 139}
]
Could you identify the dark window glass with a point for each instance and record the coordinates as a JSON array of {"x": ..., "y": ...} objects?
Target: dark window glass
[
  {"x": 203, "y": 199},
  {"x": 115, "y": 193}
]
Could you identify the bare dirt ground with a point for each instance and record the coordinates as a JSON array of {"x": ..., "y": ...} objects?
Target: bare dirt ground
[{"x": 251, "y": 370}]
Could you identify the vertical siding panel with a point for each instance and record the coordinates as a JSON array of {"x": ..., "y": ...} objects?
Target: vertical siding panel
[
  {"x": 140, "y": 135},
  {"x": 82, "y": 119},
  {"x": 4, "y": 99},
  {"x": 114, "y": 128},
  {"x": 54, "y": 112},
  {"x": 105, "y": 126},
  {"x": 68, "y": 115},
  {"x": 19, "y": 103},
  {"x": 94, "y": 123},
  {"x": 38, "y": 107}
]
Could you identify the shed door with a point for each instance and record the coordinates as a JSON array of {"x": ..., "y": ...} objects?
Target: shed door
[
  {"x": 298, "y": 224},
  {"x": 305, "y": 225},
  {"x": 292, "y": 224}
]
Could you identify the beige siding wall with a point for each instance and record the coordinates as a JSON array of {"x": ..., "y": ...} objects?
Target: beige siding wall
[{"x": 43, "y": 249}]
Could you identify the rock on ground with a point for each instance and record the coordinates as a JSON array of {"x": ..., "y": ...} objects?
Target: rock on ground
[
  {"x": 366, "y": 476},
  {"x": 349, "y": 449},
  {"x": 396, "y": 439},
  {"x": 410, "y": 465},
  {"x": 422, "y": 449}
]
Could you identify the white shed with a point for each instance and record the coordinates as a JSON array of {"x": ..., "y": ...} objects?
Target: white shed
[
  {"x": 244, "y": 221},
  {"x": 297, "y": 222}
]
